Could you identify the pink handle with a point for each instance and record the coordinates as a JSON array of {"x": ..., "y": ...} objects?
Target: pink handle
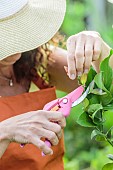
[
  {"x": 48, "y": 144},
  {"x": 65, "y": 105}
]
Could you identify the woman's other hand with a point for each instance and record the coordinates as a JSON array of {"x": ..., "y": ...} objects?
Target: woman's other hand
[
  {"x": 84, "y": 49},
  {"x": 32, "y": 126}
]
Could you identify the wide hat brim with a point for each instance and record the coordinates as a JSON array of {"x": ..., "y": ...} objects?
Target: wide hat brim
[{"x": 31, "y": 27}]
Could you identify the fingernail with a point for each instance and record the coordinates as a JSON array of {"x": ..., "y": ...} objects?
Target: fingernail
[
  {"x": 55, "y": 142},
  {"x": 72, "y": 76}
]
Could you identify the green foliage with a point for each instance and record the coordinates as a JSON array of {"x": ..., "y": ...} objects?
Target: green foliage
[
  {"x": 88, "y": 154},
  {"x": 108, "y": 166},
  {"x": 74, "y": 18},
  {"x": 99, "y": 115}
]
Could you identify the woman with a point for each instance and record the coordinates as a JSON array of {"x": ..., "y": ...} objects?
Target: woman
[{"x": 24, "y": 27}]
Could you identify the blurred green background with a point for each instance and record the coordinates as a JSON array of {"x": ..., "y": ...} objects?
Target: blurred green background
[{"x": 81, "y": 152}]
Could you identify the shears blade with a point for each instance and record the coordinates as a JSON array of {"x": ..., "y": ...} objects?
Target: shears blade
[{"x": 84, "y": 95}]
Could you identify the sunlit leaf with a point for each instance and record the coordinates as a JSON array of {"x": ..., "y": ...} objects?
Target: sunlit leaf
[
  {"x": 85, "y": 120},
  {"x": 108, "y": 107},
  {"x": 106, "y": 99},
  {"x": 90, "y": 76},
  {"x": 85, "y": 103},
  {"x": 100, "y": 138},
  {"x": 110, "y": 156},
  {"x": 107, "y": 71},
  {"x": 99, "y": 81},
  {"x": 108, "y": 117},
  {"x": 83, "y": 79},
  {"x": 95, "y": 133},
  {"x": 98, "y": 92},
  {"x": 111, "y": 89},
  {"x": 108, "y": 166},
  {"x": 94, "y": 107},
  {"x": 94, "y": 99}
]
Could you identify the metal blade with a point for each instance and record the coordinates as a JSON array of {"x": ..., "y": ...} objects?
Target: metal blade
[{"x": 80, "y": 99}]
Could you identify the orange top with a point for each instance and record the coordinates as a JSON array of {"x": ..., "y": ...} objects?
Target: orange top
[{"x": 29, "y": 157}]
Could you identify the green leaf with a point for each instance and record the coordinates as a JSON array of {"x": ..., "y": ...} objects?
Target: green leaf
[
  {"x": 83, "y": 79},
  {"x": 94, "y": 108},
  {"x": 98, "y": 92},
  {"x": 107, "y": 71},
  {"x": 110, "y": 156},
  {"x": 85, "y": 103},
  {"x": 95, "y": 133},
  {"x": 85, "y": 120},
  {"x": 108, "y": 117},
  {"x": 100, "y": 138},
  {"x": 94, "y": 99},
  {"x": 99, "y": 82},
  {"x": 111, "y": 89},
  {"x": 108, "y": 107},
  {"x": 108, "y": 166},
  {"x": 106, "y": 99},
  {"x": 90, "y": 76}
]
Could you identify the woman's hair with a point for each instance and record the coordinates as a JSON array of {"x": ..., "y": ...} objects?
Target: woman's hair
[
  {"x": 22, "y": 68},
  {"x": 26, "y": 67}
]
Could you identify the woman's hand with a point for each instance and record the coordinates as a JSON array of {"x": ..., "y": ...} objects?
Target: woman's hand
[
  {"x": 83, "y": 49},
  {"x": 31, "y": 127}
]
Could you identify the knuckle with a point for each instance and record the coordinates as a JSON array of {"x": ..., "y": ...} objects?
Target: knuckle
[
  {"x": 95, "y": 57},
  {"x": 82, "y": 35},
  {"x": 90, "y": 37},
  {"x": 70, "y": 40},
  {"x": 96, "y": 52},
  {"x": 87, "y": 65},
  {"x": 58, "y": 129},
  {"x": 98, "y": 38},
  {"x": 29, "y": 137}
]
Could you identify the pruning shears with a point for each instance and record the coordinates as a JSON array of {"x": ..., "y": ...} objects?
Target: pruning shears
[{"x": 65, "y": 103}]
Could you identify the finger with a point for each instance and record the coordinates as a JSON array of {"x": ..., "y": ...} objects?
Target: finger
[
  {"x": 88, "y": 54},
  {"x": 42, "y": 146},
  {"x": 96, "y": 49},
  {"x": 55, "y": 116},
  {"x": 71, "y": 57},
  {"x": 55, "y": 128},
  {"x": 43, "y": 133},
  {"x": 51, "y": 136},
  {"x": 79, "y": 54}
]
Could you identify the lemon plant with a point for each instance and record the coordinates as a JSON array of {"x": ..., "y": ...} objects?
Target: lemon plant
[{"x": 98, "y": 106}]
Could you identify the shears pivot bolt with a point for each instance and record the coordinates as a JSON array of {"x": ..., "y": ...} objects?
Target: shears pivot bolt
[{"x": 65, "y": 101}]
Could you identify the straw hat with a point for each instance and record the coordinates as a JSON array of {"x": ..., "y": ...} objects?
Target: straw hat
[{"x": 27, "y": 24}]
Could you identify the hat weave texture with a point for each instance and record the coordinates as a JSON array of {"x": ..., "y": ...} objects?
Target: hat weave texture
[{"x": 33, "y": 25}]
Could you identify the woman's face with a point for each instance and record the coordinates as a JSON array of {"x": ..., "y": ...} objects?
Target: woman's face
[{"x": 10, "y": 60}]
